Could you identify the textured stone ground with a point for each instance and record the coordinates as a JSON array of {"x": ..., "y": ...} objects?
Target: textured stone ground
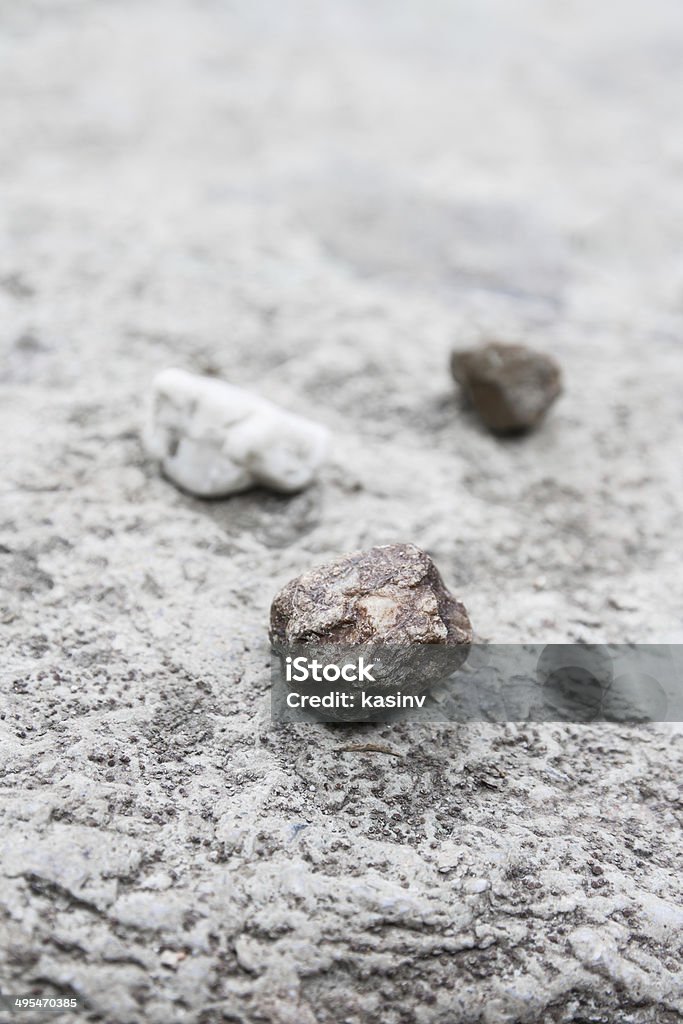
[{"x": 317, "y": 200}]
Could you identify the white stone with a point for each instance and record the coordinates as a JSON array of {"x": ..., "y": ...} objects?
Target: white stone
[{"x": 214, "y": 439}]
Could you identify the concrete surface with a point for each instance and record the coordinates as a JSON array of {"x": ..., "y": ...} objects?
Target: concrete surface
[{"x": 316, "y": 200}]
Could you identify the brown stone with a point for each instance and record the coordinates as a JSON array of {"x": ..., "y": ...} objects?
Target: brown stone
[
  {"x": 511, "y": 387},
  {"x": 389, "y": 594},
  {"x": 390, "y": 600}
]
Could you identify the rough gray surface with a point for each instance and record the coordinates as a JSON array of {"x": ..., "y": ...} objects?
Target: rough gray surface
[{"x": 320, "y": 200}]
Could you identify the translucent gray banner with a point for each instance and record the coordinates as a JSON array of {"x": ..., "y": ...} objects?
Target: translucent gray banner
[{"x": 628, "y": 683}]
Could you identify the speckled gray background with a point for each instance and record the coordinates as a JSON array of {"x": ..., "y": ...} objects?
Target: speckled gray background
[{"x": 316, "y": 200}]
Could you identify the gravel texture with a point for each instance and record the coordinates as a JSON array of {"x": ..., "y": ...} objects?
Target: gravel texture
[{"x": 319, "y": 201}]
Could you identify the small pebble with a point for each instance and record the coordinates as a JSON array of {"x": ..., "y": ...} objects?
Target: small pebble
[
  {"x": 388, "y": 595},
  {"x": 213, "y": 439},
  {"x": 511, "y": 387},
  {"x": 474, "y": 886}
]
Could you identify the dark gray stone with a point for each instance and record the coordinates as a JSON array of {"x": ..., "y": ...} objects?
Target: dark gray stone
[
  {"x": 511, "y": 387},
  {"x": 390, "y": 594},
  {"x": 390, "y": 604}
]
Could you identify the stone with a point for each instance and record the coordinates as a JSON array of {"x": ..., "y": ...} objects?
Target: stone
[
  {"x": 213, "y": 439},
  {"x": 392, "y": 593},
  {"x": 511, "y": 387},
  {"x": 389, "y": 600}
]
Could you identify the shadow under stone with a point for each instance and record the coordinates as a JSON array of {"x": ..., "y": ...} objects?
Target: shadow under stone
[{"x": 276, "y": 520}]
